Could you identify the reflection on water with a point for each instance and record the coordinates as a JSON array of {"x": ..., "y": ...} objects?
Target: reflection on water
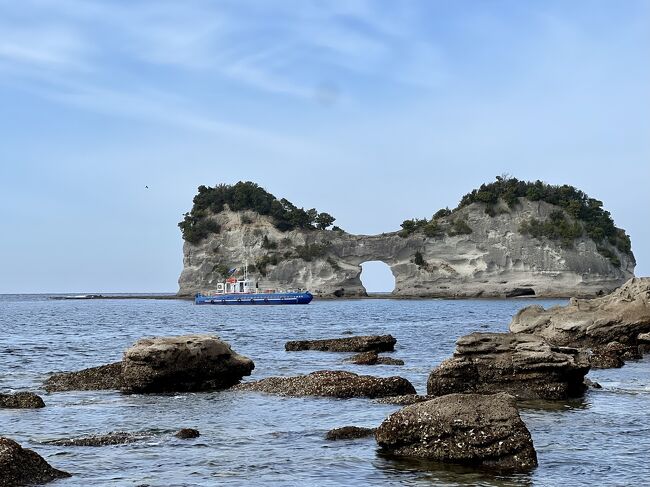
[{"x": 249, "y": 438}]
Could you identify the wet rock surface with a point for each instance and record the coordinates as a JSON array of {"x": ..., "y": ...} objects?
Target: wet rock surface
[
  {"x": 525, "y": 366},
  {"x": 373, "y": 358},
  {"x": 20, "y": 466},
  {"x": 620, "y": 317},
  {"x": 468, "y": 429},
  {"x": 332, "y": 384},
  {"x": 104, "y": 377},
  {"x": 374, "y": 343},
  {"x": 349, "y": 433},
  {"x": 404, "y": 400},
  {"x": 613, "y": 355},
  {"x": 182, "y": 363},
  {"x": 21, "y": 400}
]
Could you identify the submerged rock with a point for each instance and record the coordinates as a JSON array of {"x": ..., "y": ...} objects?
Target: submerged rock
[
  {"x": 20, "y": 466},
  {"x": 182, "y": 363},
  {"x": 104, "y": 377},
  {"x": 617, "y": 317},
  {"x": 21, "y": 400},
  {"x": 332, "y": 383},
  {"x": 373, "y": 358},
  {"x": 374, "y": 343},
  {"x": 525, "y": 366},
  {"x": 468, "y": 429},
  {"x": 113, "y": 438},
  {"x": 349, "y": 433},
  {"x": 187, "y": 433}
]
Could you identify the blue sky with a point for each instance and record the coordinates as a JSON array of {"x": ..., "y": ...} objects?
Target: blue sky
[{"x": 374, "y": 111}]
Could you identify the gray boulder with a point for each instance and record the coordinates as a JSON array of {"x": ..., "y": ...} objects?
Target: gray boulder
[
  {"x": 468, "y": 429},
  {"x": 525, "y": 366},
  {"x": 332, "y": 383},
  {"x": 617, "y": 317},
  {"x": 20, "y": 466},
  {"x": 182, "y": 363},
  {"x": 372, "y": 343},
  {"x": 21, "y": 400}
]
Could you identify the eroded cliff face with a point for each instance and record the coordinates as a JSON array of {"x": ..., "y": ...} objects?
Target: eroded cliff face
[{"x": 491, "y": 261}]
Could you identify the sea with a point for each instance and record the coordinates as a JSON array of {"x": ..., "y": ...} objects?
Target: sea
[{"x": 250, "y": 438}]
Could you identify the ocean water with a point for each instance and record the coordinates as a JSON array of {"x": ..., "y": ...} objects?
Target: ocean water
[{"x": 250, "y": 438}]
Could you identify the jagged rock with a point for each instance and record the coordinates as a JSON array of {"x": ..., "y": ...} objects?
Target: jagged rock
[
  {"x": 592, "y": 384},
  {"x": 495, "y": 258},
  {"x": 469, "y": 429},
  {"x": 332, "y": 383},
  {"x": 525, "y": 366},
  {"x": 104, "y": 377},
  {"x": 374, "y": 343},
  {"x": 187, "y": 433},
  {"x": 613, "y": 355},
  {"x": 113, "y": 438},
  {"x": 182, "y": 363},
  {"x": 21, "y": 400},
  {"x": 620, "y": 316},
  {"x": 20, "y": 466},
  {"x": 373, "y": 358},
  {"x": 349, "y": 433},
  {"x": 404, "y": 400}
]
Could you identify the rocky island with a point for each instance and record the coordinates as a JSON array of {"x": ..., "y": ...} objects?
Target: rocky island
[{"x": 507, "y": 238}]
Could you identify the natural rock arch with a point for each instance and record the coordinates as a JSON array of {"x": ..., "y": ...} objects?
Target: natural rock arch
[{"x": 377, "y": 277}]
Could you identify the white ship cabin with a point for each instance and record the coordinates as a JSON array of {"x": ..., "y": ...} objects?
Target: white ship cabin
[{"x": 235, "y": 286}]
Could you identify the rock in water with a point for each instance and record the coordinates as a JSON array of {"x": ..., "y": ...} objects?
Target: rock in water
[
  {"x": 525, "y": 366},
  {"x": 20, "y": 466},
  {"x": 182, "y": 363},
  {"x": 104, "y": 377},
  {"x": 333, "y": 383},
  {"x": 468, "y": 429},
  {"x": 113, "y": 438},
  {"x": 372, "y": 343},
  {"x": 187, "y": 433},
  {"x": 21, "y": 400},
  {"x": 349, "y": 433},
  {"x": 620, "y": 316}
]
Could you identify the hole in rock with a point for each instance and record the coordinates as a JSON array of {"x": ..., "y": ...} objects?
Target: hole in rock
[{"x": 377, "y": 277}]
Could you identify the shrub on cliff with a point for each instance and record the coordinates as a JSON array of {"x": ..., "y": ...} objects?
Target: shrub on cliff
[
  {"x": 246, "y": 196},
  {"x": 596, "y": 221}
]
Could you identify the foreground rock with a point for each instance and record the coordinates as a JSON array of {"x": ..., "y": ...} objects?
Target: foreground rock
[
  {"x": 20, "y": 466},
  {"x": 620, "y": 317},
  {"x": 525, "y": 366},
  {"x": 332, "y": 384},
  {"x": 373, "y": 358},
  {"x": 468, "y": 429},
  {"x": 182, "y": 363},
  {"x": 372, "y": 343},
  {"x": 349, "y": 433},
  {"x": 104, "y": 377},
  {"x": 21, "y": 400}
]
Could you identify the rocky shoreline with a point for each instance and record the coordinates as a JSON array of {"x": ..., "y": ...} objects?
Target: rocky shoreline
[{"x": 469, "y": 415}]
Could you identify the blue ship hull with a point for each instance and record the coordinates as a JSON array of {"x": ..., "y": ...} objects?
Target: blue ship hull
[{"x": 255, "y": 298}]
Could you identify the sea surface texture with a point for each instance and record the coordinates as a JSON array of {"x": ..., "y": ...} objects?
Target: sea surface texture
[{"x": 251, "y": 438}]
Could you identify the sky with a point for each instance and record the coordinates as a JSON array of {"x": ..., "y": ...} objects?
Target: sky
[{"x": 373, "y": 111}]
